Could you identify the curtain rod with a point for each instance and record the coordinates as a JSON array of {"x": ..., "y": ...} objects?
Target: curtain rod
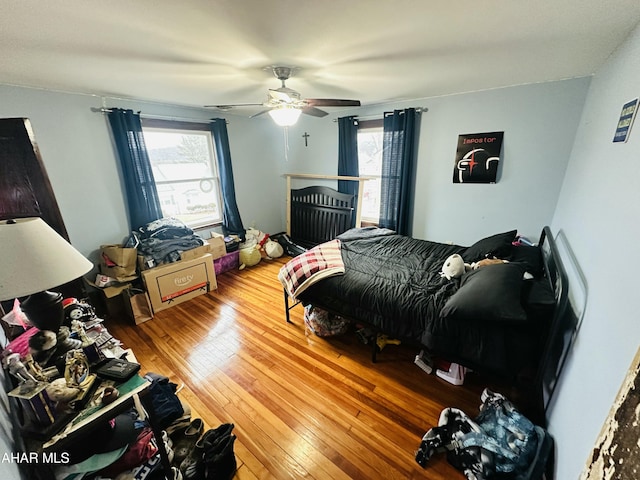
[
  {"x": 380, "y": 115},
  {"x": 104, "y": 110}
]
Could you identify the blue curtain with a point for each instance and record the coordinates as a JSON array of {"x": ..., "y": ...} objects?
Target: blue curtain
[
  {"x": 231, "y": 221},
  {"x": 142, "y": 197},
  {"x": 398, "y": 170},
  {"x": 348, "y": 154}
]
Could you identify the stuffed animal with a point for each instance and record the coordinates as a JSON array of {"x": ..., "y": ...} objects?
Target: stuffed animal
[
  {"x": 273, "y": 249},
  {"x": 487, "y": 261},
  {"x": 454, "y": 267},
  {"x": 248, "y": 257}
]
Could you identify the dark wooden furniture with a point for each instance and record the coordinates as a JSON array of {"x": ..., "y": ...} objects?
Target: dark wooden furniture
[
  {"x": 319, "y": 214},
  {"x": 25, "y": 189}
]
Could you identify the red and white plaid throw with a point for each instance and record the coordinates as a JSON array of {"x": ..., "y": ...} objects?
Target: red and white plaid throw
[{"x": 302, "y": 271}]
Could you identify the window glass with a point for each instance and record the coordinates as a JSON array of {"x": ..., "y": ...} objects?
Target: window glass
[
  {"x": 370, "y": 164},
  {"x": 184, "y": 168}
]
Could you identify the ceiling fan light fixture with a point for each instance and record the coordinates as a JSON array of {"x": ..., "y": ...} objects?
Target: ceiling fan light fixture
[{"x": 285, "y": 116}]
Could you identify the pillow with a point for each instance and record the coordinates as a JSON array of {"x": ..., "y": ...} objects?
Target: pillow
[
  {"x": 491, "y": 293},
  {"x": 531, "y": 257},
  {"x": 539, "y": 300},
  {"x": 498, "y": 245}
]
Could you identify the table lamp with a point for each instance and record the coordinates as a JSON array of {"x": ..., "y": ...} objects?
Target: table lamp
[{"x": 34, "y": 258}]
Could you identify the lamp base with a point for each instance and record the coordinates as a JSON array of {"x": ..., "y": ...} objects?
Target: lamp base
[{"x": 44, "y": 310}]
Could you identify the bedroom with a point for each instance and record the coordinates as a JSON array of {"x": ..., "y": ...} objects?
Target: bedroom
[{"x": 557, "y": 133}]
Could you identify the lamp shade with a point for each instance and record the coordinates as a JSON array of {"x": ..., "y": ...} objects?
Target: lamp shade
[
  {"x": 285, "y": 116},
  {"x": 35, "y": 258}
]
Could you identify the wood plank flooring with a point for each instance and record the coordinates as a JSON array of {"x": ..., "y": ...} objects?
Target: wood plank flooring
[{"x": 303, "y": 406}]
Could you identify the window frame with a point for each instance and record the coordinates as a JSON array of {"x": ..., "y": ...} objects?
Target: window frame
[
  {"x": 177, "y": 126},
  {"x": 377, "y": 123}
]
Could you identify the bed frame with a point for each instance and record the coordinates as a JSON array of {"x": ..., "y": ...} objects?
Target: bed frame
[
  {"x": 537, "y": 390},
  {"x": 319, "y": 214}
]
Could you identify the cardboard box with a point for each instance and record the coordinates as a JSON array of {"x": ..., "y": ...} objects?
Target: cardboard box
[
  {"x": 214, "y": 246},
  {"x": 177, "y": 282},
  {"x": 218, "y": 248}
]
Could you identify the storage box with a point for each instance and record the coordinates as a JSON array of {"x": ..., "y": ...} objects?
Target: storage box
[
  {"x": 218, "y": 248},
  {"x": 229, "y": 261},
  {"x": 174, "y": 283},
  {"x": 214, "y": 246}
]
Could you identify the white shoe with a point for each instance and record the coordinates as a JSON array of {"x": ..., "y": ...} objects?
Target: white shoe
[{"x": 454, "y": 376}]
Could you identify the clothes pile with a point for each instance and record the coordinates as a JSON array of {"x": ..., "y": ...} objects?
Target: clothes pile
[
  {"x": 499, "y": 443},
  {"x": 163, "y": 240}
]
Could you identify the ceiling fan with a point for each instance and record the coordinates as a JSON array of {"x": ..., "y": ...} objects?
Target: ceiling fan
[{"x": 285, "y": 105}]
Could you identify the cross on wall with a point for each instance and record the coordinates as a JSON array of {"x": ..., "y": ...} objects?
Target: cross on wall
[{"x": 306, "y": 137}]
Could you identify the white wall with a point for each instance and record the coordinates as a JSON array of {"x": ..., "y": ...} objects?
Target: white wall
[
  {"x": 598, "y": 212},
  {"x": 539, "y": 122}
]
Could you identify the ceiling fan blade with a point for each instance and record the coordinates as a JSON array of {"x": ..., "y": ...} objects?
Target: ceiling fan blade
[
  {"x": 314, "y": 112},
  {"x": 259, "y": 113},
  {"x": 280, "y": 96},
  {"x": 331, "y": 102},
  {"x": 226, "y": 107}
]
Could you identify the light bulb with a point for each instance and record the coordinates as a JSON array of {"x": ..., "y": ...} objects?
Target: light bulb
[{"x": 285, "y": 116}]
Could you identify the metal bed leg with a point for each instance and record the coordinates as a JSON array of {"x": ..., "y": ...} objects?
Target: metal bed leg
[{"x": 288, "y": 307}]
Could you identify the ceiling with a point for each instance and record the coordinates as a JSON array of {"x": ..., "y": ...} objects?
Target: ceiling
[{"x": 198, "y": 52}]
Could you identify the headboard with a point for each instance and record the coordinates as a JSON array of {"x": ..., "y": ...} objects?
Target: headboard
[{"x": 319, "y": 214}]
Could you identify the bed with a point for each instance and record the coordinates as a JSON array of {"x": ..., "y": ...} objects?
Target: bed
[{"x": 500, "y": 319}]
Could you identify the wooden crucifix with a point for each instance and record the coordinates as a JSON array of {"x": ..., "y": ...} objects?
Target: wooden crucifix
[{"x": 306, "y": 136}]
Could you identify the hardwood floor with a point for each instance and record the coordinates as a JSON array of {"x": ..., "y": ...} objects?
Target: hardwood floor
[{"x": 303, "y": 406}]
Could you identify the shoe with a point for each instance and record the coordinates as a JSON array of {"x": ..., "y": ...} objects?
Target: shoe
[
  {"x": 207, "y": 442},
  {"x": 211, "y": 437},
  {"x": 220, "y": 461},
  {"x": 455, "y": 375},
  {"x": 184, "y": 442},
  {"x": 168, "y": 446}
]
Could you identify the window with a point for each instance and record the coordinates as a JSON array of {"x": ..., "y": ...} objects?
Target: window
[
  {"x": 370, "y": 134},
  {"x": 185, "y": 170}
]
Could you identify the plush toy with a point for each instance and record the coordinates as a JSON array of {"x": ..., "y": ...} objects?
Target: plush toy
[
  {"x": 454, "y": 267},
  {"x": 273, "y": 249},
  {"x": 487, "y": 261},
  {"x": 248, "y": 257}
]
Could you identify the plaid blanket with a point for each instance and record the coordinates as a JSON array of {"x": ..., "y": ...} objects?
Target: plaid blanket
[{"x": 302, "y": 271}]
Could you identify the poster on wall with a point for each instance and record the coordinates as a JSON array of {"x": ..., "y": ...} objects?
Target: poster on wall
[
  {"x": 625, "y": 122},
  {"x": 477, "y": 157}
]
